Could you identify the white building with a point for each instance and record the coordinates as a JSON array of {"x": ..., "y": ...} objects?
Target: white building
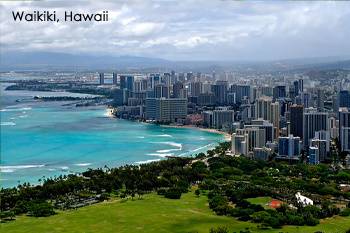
[{"x": 303, "y": 200}]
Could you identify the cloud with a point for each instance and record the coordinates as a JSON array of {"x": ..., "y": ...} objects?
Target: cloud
[{"x": 204, "y": 30}]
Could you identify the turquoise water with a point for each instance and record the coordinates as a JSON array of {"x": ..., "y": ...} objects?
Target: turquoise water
[{"x": 47, "y": 139}]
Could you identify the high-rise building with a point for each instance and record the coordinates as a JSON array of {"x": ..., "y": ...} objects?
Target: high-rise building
[
  {"x": 223, "y": 118},
  {"x": 289, "y": 146},
  {"x": 206, "y": 87},
  {"x": 320, "y": 100},
  {"x": 344, "y": 129},
  {"x": 126, "y": 81},
  {"x": 177, "y": 87},
  {"x": 140, "y": 95},
  {"x": 231, "y": 98},
  {"x": 206, "y": 99},
  {"x": 120, "y": 96},
  {"x": 246, "y": 113},
  {"x": 207, "y": 118},
  {"x": 313, "y": 121},
  {"x": 262, "y": 153},
  {"x": 301, "y": 85},
  {"x": 296, "y": 120},
  {"x": 161, "y": 91},
  {"x": 166, "y": 79},
  {"x": 344, "y": 99},
  {"x": 279, "y": 92},
  {"x": 220, "y": 91},
  {"x": 263, "y": 108},
  {"x": 345, "y": 139},
  {"x": 189, "y": 76},
  {"x": 166, "y": 110},
  {"x": 266, "y": 126},
  {"x": 140, "y": 85},
  {"x": 325, "y": 136},
  {"x": 239, "y": 144},
  {"x": 241, "y": 91},
  {"x": 275, "y": 117},
  {"x": 306, "y": 99},
  {"x": 296, "y": 87},
  {"x": 102, "y": 78},
  {"x": 153, "y": 79},
  {"x": 266, "y": 90},
  {"x": 333, "y": 127},
  {"x": 268, "y": 110},
  {"x": 115, "y": 78},
  {"x": 181, "y": 77},
  {"x": 314, "y": 157},
  {"x": 256, "y": 137},
  {"x": 322, "y": 148},
  {"x": 195, "y": 88}
]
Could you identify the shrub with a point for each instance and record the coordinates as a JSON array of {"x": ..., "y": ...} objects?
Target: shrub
[
  {"x": 21, "y": 207},
  {"x": 161, "y": 191},
  {"x": 173, "y": 193},
  {"x": 217, "y": 200},
  {"x": 7, "y": 215},
  {"x": 273, "y": 222},
  {"x": 197, "y": 192},
  {"x": 293, "y": 219},
  {"x": 41, "y": 209},
  {"x": 260, "y": 216},
  {"x": 345, "y": 212},
  {"x": 103, "y": 196},
  {"x": 311, "y": 221}
]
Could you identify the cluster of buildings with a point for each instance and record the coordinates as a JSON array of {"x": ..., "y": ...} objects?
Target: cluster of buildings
[{"x": 285, "y": 117}]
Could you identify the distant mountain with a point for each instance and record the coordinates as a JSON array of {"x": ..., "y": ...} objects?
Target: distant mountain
[
  {"x": 49, "y": 61},
  {"x": 52, "y": 61}
]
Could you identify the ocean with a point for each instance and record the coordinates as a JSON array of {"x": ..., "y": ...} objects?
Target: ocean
[{"x": 48, "y": 139}]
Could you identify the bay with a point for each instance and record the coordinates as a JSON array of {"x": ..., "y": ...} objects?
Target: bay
[{"x": 47, "y": 139}]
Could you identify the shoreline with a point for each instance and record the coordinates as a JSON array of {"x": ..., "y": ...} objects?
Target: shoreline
[
  {"x": 108, "y": 112},
  {"x": 226, "y": 135}
]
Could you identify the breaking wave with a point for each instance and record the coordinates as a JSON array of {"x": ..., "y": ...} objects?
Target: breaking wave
[
  {"x": 160, "y": 154},
  {"x": 82, "y": 164},
  {"x": 8, "y": 123},
  {"x": 8, "y": 169},
  {"x": 15, "y": 109},
  {"x": 147, "y": 161}
]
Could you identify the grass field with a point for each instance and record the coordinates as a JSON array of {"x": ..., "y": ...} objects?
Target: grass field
[
  {"x": 263, "y": 201},
  {"x": 152, "y": 214}
]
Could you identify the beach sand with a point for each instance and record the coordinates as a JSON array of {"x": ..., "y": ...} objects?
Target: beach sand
[{"x": 226, "y": 135}]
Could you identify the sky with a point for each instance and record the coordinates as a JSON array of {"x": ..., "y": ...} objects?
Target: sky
[{"x": 185, "y": 30}]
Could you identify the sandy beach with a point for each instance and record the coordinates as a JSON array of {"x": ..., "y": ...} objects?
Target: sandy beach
[
  {"x": 109, "y": 113},
  {"x": 226, "y": 135}
]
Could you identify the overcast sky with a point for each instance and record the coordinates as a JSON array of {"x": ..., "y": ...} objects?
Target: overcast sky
[{"x": 186, "y": 30}]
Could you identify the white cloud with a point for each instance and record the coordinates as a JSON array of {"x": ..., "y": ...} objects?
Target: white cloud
[{"x": 186, "y": 29}]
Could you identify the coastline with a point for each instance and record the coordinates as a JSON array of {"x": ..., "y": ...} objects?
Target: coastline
[
  {"x": 226, "y": 135},
  {"x": 80, "y": 165}
]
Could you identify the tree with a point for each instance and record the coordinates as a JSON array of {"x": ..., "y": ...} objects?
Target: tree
[
  {"x": 41, "y": 209},
  {"x": 345, "y": 212},
  {"x": 260, "y": 216},
  {"x": 173, "y": 193},
  {"x": 311, "y": 221},
  {"x": 197, "y": 192},
  {"x": 7, "y": 215}
]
